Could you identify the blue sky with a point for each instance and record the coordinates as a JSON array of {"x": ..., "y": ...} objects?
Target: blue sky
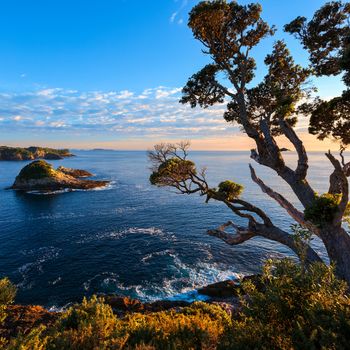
[{"x": 108, "y": 72}]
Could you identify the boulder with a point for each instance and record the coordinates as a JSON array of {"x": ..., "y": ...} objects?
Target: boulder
[
  {"x": 223, "y": 289},
  {"x": 74, "y": 172}
]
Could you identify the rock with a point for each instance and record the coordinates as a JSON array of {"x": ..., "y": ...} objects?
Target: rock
[
  {"x": 41, "y": 176},
  {"x": 223, "y": 289},
  {"x": 122, "y": 304},
  {"x": 32, "y": 153},
  {"x": 162, "y": 305},
  {"x": 23, "y": 318},
  {"x": 74, "y": 172}
]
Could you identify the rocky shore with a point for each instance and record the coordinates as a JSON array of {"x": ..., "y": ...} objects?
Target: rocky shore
[
  {"x": 32, "y": 153},
  {"x": 41, "y": 176},
  {"x": 23, "y": 318}
]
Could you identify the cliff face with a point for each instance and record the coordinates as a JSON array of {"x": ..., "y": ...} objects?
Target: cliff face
[
  {"x": 41, "y": 176},
  {"x": 31, "y": 153}
]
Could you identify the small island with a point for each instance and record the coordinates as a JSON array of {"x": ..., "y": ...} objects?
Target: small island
[
  {"x": 32, "y": 153},
  {"x": 41, "y": 176}
]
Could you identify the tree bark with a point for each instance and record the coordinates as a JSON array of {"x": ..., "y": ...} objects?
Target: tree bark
[{"x": 337, "y": 243}]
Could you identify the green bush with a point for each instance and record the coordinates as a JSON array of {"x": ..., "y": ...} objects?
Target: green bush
[
  {"x": 37, "y": 170},
  {"x": 172, "y": 170},
  {"x": 230, "y": 189},
  {"x": 298, "y": 310},
  {"x": 7, "y": 291}
]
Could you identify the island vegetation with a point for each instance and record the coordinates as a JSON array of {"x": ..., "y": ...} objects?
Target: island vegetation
[
  {"x": 32, "y": 153},
  {"x": 41, "y": 176}
]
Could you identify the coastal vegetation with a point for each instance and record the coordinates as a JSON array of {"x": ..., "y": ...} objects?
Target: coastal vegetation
[
  {"x": 31, "y": 153},
  {"x": 290, "y": 308},
  {"x": 267, "y": 111}
]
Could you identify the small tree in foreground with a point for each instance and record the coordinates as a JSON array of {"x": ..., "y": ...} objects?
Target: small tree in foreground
[{"x": 269, "y": 109}]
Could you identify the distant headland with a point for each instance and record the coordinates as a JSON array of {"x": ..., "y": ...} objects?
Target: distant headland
[{"x": 32, "y": 153}]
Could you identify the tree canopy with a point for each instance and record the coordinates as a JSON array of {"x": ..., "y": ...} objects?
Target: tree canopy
[{"x": 229, "y": 32}]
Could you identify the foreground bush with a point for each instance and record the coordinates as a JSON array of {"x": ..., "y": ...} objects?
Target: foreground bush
[
  {"x": 297, "y": 310},
  {"x": 293, "y": 308},
  {"x": 92, "y": 325}
]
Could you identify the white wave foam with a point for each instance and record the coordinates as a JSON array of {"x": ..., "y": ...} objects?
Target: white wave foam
[
  {"x": 183, "y": 286},
  {"x": 41, "y": 256}
]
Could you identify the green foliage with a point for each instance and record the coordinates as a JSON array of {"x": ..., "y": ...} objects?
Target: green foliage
[
  {"x": 30, "y": 153},
  {"x": 37, "y": 170},
  {"x": 302, "y": 238},
  {"x": 171, "y": 171},
  {"x": 92, "y": 325},
  {"x": 230, "y": 189},
  {"x": 297, "y": 310},
  {"x": 323, "y": 209},
  {"x": 7, "y": 291},
  {"x": 7, "y": 296}
]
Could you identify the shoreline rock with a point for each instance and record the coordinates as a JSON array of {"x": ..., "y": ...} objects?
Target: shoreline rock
[{"x": 74, "y": 172}]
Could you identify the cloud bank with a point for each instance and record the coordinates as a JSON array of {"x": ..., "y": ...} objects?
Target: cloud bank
[{"x": 116, "y": 119}]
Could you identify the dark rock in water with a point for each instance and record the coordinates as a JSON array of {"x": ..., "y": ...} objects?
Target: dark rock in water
[
  {"x": 31, "y": 153},
  {"x": 223, "y": 289},
  {"x": 41, "y": 176},
  {"x": 74, "y": 172}
]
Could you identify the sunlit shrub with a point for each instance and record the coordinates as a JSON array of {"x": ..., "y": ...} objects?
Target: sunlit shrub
[
  {"x": 298, "y": 310},
  {"x": 324, "y": 208},
  {"x": 230, "y": 189},
  {"x": 172, "y": 170}
]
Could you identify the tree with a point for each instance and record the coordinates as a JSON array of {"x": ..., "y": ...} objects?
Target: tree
[{"x": 229, "y": 32}]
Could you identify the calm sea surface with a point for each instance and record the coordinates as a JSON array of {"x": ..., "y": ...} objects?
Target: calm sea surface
[{"x": 131, "y": 238}]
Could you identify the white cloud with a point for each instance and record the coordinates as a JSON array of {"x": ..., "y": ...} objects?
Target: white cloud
[{"x": 156, "y": 112}]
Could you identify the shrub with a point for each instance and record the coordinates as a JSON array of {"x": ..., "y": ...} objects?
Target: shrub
[
  {"x": 298, "y": 310},
  {"x": 230, "y": 189},
  {"x": 172, "y": 170},
  {"x": 323, "y": 209},
  {"x": 37, "y": 170},
  {"x": 7, "y": 291}
]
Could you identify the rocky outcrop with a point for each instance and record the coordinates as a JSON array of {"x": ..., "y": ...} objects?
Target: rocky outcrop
[
  {"x": 41, "y": 176},
  {"x": 223, "y": 289},
  {"x": 23, "y": 318},
  {"x": 32, "y": 153},
  {"x": 74, "y": 172}
]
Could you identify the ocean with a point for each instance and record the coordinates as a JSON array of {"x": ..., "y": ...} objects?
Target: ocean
[{"x": 132, "y": 238}]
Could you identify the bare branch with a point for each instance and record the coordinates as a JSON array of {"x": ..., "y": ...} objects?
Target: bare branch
[
  {"x": 339, "y": 181},
  {"x": 283, "y": 202},
  {"x": 301, "y": 170},
  {"x": 242, "y": 234}
]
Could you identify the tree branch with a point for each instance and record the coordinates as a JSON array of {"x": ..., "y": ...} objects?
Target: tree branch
[
  {"x": 339, "y": 182},
  {"x": 301, "y": 170},
  {"x": 284, "y": 203}
]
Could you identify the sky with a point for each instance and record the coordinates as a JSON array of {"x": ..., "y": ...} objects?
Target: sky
[{"x": 108, "y": 74}]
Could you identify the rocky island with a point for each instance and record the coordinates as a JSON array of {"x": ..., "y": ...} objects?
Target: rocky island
[
  {"x": 41, "y": 176},
  {"x": 32, "y": 153}
]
